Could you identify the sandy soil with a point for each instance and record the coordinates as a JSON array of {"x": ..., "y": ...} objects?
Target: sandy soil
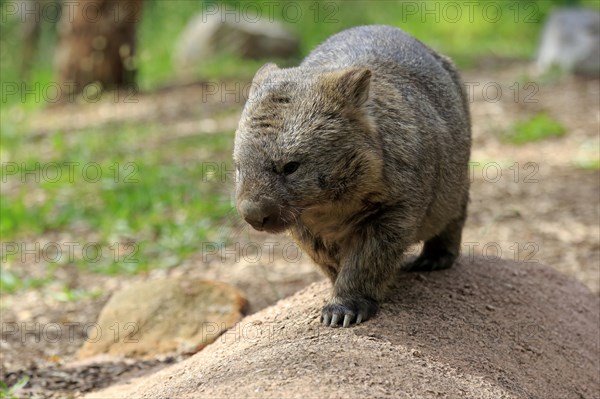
[{"x": 479, "y": 330}]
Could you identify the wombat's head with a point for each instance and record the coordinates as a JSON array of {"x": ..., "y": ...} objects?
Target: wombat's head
[{"x": 305, "y": 139}]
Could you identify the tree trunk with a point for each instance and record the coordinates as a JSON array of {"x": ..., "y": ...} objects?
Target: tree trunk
[{"x": 97, "y": 42}]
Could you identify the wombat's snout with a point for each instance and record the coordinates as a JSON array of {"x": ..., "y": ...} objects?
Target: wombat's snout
[{"x": 262, "y": 215}]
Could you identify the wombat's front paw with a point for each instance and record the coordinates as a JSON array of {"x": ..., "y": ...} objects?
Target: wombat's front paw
[
  {"x": 348, "y": 311},
  {"x": 428, "y": 262}
]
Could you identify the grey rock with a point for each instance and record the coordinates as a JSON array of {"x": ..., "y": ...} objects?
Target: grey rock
[
  {"x": 571, "y": 41},
  {"x": 241, "y": 34}
]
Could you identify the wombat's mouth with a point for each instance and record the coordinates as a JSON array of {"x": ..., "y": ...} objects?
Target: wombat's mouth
[
  {"x": 264, "y": 215},
  {"x": 271, "y": 225}
]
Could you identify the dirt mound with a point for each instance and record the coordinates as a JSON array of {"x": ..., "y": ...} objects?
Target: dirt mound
[{"x": 482, "y": 329}]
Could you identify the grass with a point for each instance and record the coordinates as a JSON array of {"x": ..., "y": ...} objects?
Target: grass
[
  {"x": 467, "y": 32},
  {"x": 593, "y": 164},
  {"x": 11, "y": 392},
  {"x": 588, "y": 157},
  {"x": 539, "y": 127},
  {"x": 12, "y": 281},
  {"x": 504, "y": 29},
  {"x": 149, "y": 208}
]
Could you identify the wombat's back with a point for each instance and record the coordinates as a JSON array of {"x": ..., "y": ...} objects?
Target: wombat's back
[
  {"x": 388, "y": 50},
  {"x": 369, "y": 45}
]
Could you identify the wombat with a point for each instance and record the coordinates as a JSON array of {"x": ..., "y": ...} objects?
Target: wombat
[{"x": 359, "y": 152}]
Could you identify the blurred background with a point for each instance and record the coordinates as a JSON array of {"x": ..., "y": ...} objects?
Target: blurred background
[{"x": 117, "y": 124}]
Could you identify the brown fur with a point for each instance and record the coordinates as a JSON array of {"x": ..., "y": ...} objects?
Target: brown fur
[{"x": 359, "y": 152}]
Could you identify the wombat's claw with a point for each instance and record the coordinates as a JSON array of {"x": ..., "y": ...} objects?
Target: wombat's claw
[
  {"x": 347, "y": 320},
  {"x": 335, "y": 319},
  {"x": 353, "y": 311}
]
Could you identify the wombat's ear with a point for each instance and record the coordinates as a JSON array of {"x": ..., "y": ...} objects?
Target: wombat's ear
[
  {"x": 260, "y": 76},
  {"x": 353, "y": 84}
]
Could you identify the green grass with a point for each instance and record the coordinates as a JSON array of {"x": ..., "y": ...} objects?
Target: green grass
[
  {"x": 7, "y": 392},
  {"x": 489, "y": 28},
  {"x": 593, "y": 164},
  {"x": 72, "y": 295},
  {"x": 11, "y": 281},
  {"x": 504, "y": 29},
  {"x": 588, "y": 157},
  {"x": 538, "y": 127},
  {"x": 148, "y": 199},
  {"x": 12, "y": 392}
]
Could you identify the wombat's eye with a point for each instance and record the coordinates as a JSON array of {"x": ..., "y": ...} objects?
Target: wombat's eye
[{"x": 290, "y": 168}]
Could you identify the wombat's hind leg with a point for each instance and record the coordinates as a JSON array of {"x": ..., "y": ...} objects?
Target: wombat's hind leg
[{"x": 441, "y": 251}]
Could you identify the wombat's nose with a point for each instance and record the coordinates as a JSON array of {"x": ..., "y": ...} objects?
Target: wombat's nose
[{"x": 255, "y": 213}]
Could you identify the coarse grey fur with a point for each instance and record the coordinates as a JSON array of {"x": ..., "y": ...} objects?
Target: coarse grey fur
[{"x": 359, "y": 152}]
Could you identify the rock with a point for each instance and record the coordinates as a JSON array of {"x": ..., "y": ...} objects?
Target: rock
[
  {"x": 540, "y": 342},
  {"x": 163, "y": 316},
  {"x": 245, "y": 35},
  {"x": 571, "y": 41}
]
